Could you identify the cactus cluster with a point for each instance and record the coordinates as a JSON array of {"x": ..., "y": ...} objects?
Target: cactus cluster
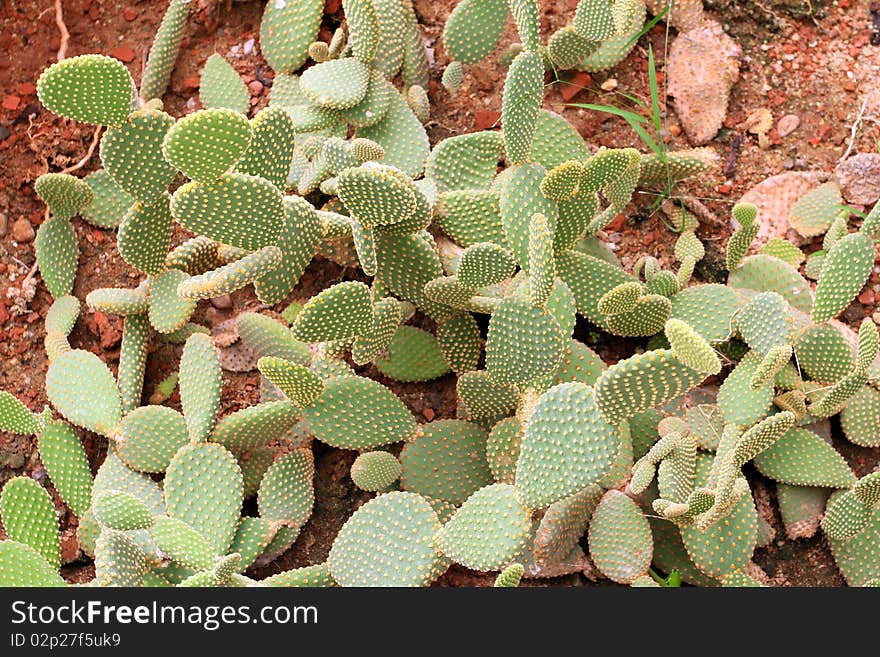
[{"x": 552, "y": 450}]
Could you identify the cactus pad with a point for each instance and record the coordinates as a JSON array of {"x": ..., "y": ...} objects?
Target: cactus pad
[{"x": 88, "y": 88}]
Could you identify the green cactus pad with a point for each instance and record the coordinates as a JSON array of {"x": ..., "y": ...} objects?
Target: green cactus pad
[
  {"x": 287, "y": 493},
  {"x": 802, "y": 458},
  {"x": 815, "y": 211},
  {"x": 510, "y": 577},
  {"x": 386, "y": 319},
  {"x": 15, "y": 417},
  {"x": 378, "y": 417},
  {"x": 784, "y": 250},
  {"x": 342, "y": 311},
  {"x": 484, "y": 400},
  {"x": 844, "y": 272},
  {"x": 523, "y": 343},
  {"x": 120, "y": 511},
  {"x": 117, "y": 301},
  {"x": 489, "y": 530},
  {"x": 286, "y": 30},
  {"x": 297, "y": 382},
  {"x": 251, "y": 538},
  {"x": 674, "y": 166},
  {"x": 648, "y": 317},
  {"x": 307, "y": 576},
  {"x": 168, "y": 311},
  {"x": 132, "y": 361},
  {"x": 255, "y": 426},
  {"x": 65, "y": 195},
  {"x": 465, "y": 162},
  {"x": 88, "y": 88},
  {"x": 459, "y": 342},
  {"x": 522, "y": 96},
  {"x": 82, "y": 388},
  {"x": 375, "y": 471},
  {"x": 363, "y": 22},
  {"x": 566, "y": 446},
  {"x": 145, "y": 235},
  {"x": 114, "y": 474},
  {"x": 760, "y": 436},
  {"x": 389, "y": 541},
  {"x": 374, "y": 105},
  {"x": 402, "y": 136},
  {"x": 620, "y": 538},
  {"x": 29, "y": 517},
  {"x": 271, "y": 150},
  {"x": 377, "y": 195},
  {"x": 150, "y": 436},
  {"x": 132, "y": 154},
  {"x": 269, "y": 337},
  {"x": 860, "y": 418},
  {"x": 200, "y": 384},
  {"x": 447, "y": 461},
  {"x": 337, "y": 84},
  {"x": 406, "y": 264},
  {"x": 765, "y": 273},
  {"x": 589, "y": 278},
  {"x": 728, "y": 544},
  {"x": 203, "y": 487},
  {"x": 707, "y": 309},
  {"x": 764, "y": 322},
  {"x": 206, "y": 144},
  {"x": 164, "y": 51},
  {"x": 771, "y": 365},
  {"x": 561, "y": 528},
  {"x": 22, "y": 565},
  {"x": 857, "y": 557},
  {"x": 525, "y": 17},
  {"x": 222, "y": 88},
  {"x": 833, "y": 400},
  {"x": 194, "y": 256},
  {"x": 470, "y": 216},
  {"x": 473, "y": 29},
  {"x": 484, "y": 264},
  {"x": 691, "y": 348},
  {"x": 65, "y": 460},
  {"x": 741, "y": 404},
  {"x": 237, "y": 209},
  {"x": 231, "y": 277},
  {"x": 182, "y": 543},
  {"x": 629, "y": 19},
  {"x": 57, "y": 255},
  {"x": 823, "y": 353},
  {"x": 641, "y": 382},
  {"x": 119, "y": 561},
  {"x": 412, "y": 355},
  {"x": 109, "y": 201}
]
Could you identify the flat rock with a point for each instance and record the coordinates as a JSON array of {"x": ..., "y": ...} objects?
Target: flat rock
[
  {"x": 702, "y": 68},
  {"x": 859, "y": 178},
  {"x": 774, "y": 198}
]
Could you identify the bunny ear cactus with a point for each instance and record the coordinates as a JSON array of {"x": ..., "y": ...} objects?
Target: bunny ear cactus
[
  {"x": 89, "y": 88},
  {"x": 164, "y": 50}
]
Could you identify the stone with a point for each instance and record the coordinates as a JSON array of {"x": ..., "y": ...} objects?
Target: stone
[{"x": 23, "y": 231}]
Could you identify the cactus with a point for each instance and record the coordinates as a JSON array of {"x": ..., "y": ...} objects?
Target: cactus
[
  {"x": 88, "y": 88},
  {"x": 222, "y": 88},
  {"x": 389, "y": 541},
  {"x": 444, "y": 255}
]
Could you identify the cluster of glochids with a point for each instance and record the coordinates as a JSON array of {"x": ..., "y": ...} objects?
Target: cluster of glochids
[{"x": 550, "y": 444}]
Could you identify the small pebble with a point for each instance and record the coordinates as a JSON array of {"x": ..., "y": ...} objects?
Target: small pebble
[
  {"x": 787, "y": 124},
  {"x": 609, "y": 85},
  {"x": 22, "y": 231},
  {"x": 4, "y": 223},
  {"x": 256, "y": 87}
]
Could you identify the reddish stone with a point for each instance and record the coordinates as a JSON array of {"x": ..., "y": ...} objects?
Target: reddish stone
[
  {"x": 129, "y": 13},
  {"x": 332, "y": 6},
  {"x": 617, "y": 223},
  {"x": 255, "y": 87},
  {"x": 723, "y": 189},
  {"x": 428, "y": 412},
  {"x": 26, "y": 89},
  {"x": 575, "y": 85},
  {"x": 11, "y": 102},
  {"x": 485, "y": 119},
  {"x": 123, "y": 54},
  {"x": 867, "y": 297}
]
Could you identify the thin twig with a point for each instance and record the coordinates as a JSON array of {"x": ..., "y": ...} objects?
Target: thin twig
[
  {"x": 88, "y": 156},
  {"x": 65, "y": 35},
  {"x": 854, "y": 129}
]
